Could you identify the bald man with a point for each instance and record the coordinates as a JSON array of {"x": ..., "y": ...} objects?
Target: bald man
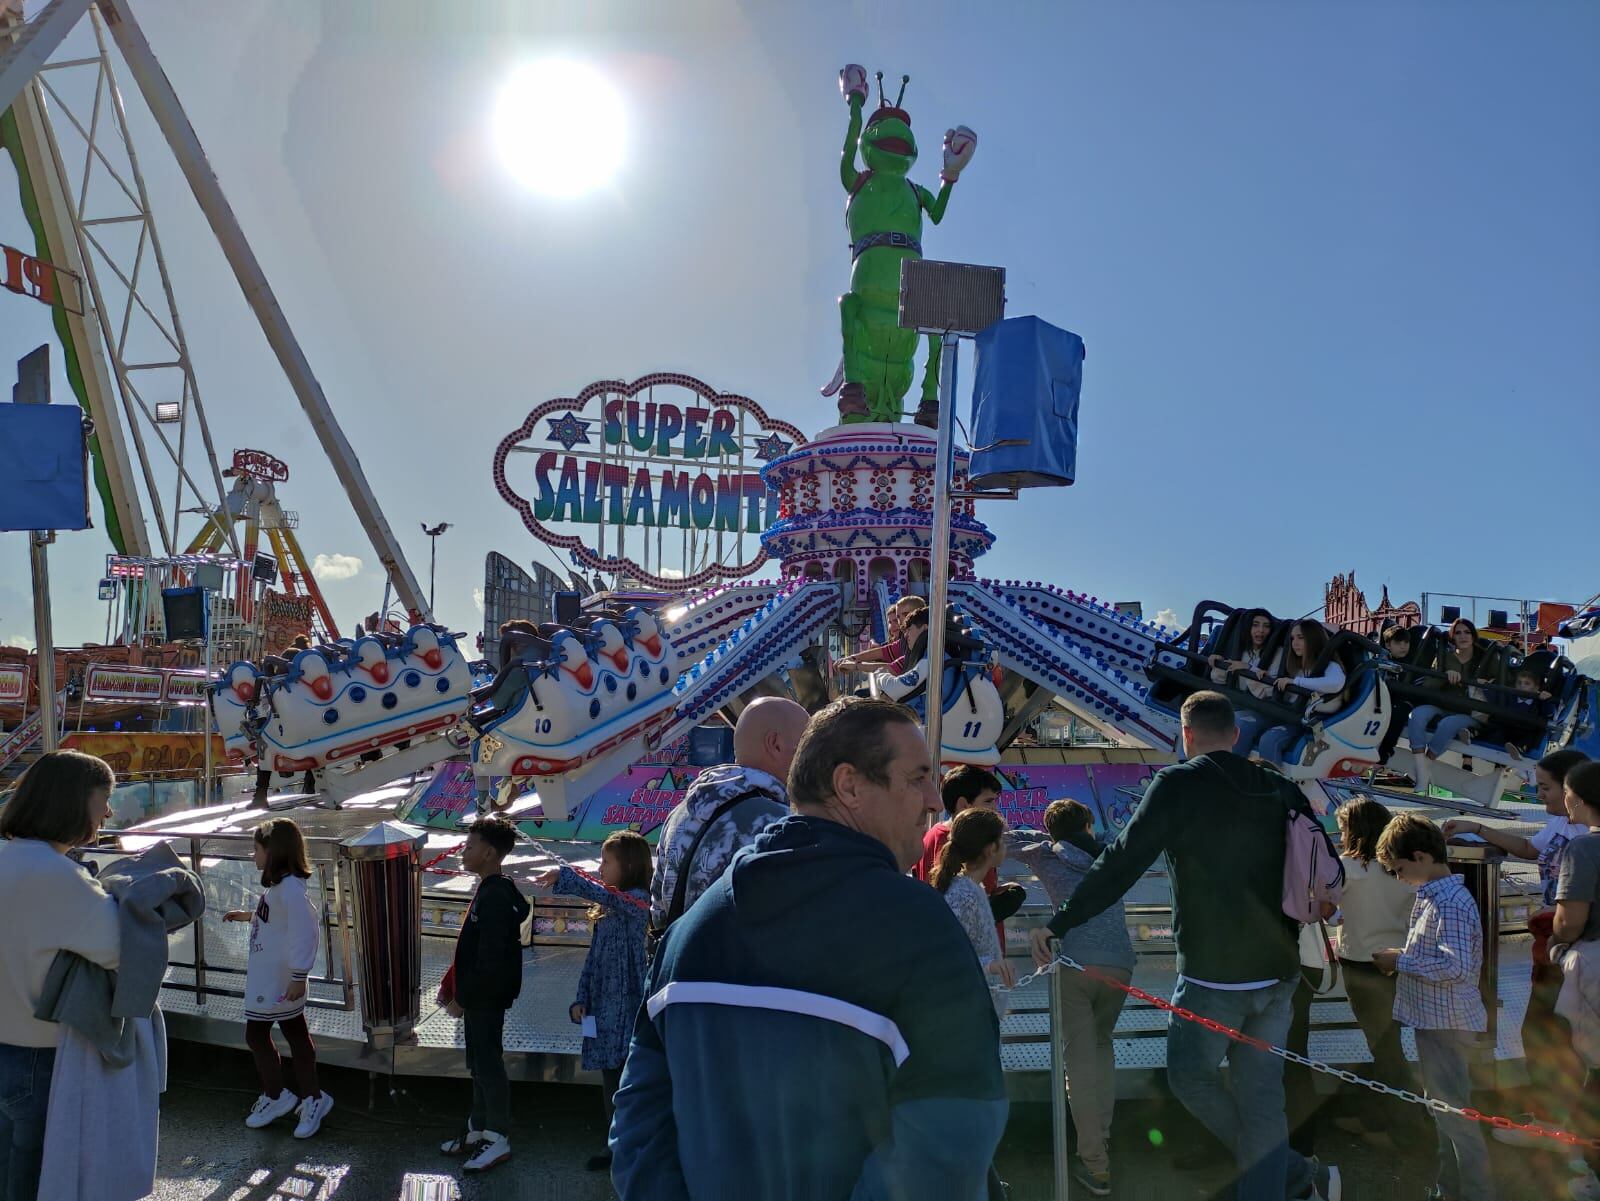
[{"x": 732, "y": 804}]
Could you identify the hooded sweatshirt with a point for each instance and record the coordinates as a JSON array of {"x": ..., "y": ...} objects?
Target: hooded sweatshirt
[
  {"x": 765, "y": 801},
  {"x": 1220, "y": 820},
  {"x": 1103, "y": 940},
  {"x": 816, "y": 1026}
]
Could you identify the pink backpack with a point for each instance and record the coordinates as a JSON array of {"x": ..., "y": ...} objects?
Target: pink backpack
[{"x": 1313, "y": 877}]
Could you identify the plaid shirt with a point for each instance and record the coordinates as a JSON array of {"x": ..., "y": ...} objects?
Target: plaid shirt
[{"x": 1437, "y": 987}]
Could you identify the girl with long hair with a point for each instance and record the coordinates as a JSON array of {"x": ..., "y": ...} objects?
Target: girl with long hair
[
  {"x": 976, "y": 847},
  {"x": 1308, "y": 641},
  {"x": 283, "y": 950}
]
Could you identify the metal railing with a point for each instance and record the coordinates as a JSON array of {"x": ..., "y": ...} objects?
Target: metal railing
[{"x": 204, "y": 853}]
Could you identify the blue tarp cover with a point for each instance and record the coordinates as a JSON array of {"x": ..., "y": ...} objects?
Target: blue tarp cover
[
  {"x": 1026, "y": 387},
  {"x": 43, "y": 485}
]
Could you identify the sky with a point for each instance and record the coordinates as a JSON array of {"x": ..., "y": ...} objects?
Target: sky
[{"x": 1337, "y": 267}]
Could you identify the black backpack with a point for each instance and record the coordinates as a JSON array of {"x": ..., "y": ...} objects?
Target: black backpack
[{"x": 675, "y": 907}]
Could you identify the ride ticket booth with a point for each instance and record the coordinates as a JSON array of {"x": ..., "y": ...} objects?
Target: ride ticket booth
[{"x": 1479, "y": 865}]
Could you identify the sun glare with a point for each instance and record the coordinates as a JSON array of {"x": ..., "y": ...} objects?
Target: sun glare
[{"x": 559, "y": 128}]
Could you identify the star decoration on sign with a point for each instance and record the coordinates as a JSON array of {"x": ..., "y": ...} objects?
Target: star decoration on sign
[
  {"x": 771, "y": 447},
  {"x": 569, "y": 429}
]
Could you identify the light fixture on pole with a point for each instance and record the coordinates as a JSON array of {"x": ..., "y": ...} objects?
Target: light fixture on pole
[
  {"x": 951, "y": 300},
  {"x": 433, "y": 533}
]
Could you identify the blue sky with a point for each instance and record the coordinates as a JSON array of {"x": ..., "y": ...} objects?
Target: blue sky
[{"x": 1337, "y": 266}]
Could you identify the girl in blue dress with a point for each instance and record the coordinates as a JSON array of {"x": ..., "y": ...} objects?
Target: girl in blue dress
[{"x": 611, "y": 988}]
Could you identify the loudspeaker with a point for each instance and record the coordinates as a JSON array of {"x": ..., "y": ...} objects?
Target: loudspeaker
[
  {"x": 185, "y": 612},
  {"x": 265, "y": 569},
  {"x": 1449, "y": 613},
  {"x": 1498, "y": 619},
  {"x": 568, "y": 606}
]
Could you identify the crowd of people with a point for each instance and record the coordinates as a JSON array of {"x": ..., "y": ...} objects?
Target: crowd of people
[{"x": 804, "y": 919}]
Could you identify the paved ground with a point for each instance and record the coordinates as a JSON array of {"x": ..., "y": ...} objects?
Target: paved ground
[{"x": 388, "y": 1151}]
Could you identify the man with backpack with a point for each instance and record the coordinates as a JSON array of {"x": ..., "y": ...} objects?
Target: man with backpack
[
  {"x": 726, "y": 807},
  {"x": 1242, "y": 855}
]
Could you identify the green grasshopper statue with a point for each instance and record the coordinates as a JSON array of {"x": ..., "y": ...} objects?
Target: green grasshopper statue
[{"x": 884, "y": 215}]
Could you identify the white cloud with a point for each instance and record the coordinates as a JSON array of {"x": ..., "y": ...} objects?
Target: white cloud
[
  {"x": 20, "y": 640},
  {"x": 477, "y": 597},
  {"x": 1168, "y": 618},
  {"x": 335, "y": 567}
]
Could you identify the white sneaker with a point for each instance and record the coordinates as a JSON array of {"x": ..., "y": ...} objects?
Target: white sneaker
[
  {"x": 462, "y": 1144},
  {"x": 492, "y": 1153},
  {"x": 312, "y": 1111},
  {"x": 270, "y": 1109}
]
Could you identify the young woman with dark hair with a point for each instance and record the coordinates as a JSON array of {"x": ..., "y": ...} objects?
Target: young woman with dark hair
[
  {"x": 1430, "y": 729},
  {"x": 1308, "y": 640},
  {"x": 53, "y": 905},
  {"x": 1253, "y": 673}
]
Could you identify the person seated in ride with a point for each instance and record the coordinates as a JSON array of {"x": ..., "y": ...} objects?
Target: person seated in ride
[
  {"x": 1307, "y": 642},
  {"x": 914, "y": 633},
  {"x": 1530, "y": 700},
  {"x": 1397, "y": 645},
  {"x": 892, "y": 653},
  {"x": 1252, "y": 672},
  {"x": 515, "y": 635},
  {"x": 1431, "y": 729}
]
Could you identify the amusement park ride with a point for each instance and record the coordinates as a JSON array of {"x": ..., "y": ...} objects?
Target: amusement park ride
[{"x": 745, "y": 555}]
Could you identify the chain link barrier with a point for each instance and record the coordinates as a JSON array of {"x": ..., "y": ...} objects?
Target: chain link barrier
[{"x": 1433, "y": 1104}]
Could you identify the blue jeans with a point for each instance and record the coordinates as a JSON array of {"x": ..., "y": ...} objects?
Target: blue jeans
[
  {"x": 1250, "y": 725},
  {"x": 1275, "y": 740},
  {"x": 1245, "y": 1111},
  {"x": 24, "y": 1098},
  {"x": 1450, "y": 727},
  {"x": 1463, "y": 1155}
]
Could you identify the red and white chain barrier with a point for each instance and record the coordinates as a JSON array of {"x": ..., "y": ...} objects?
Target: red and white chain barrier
[{"x": 1348, "y": 1077}]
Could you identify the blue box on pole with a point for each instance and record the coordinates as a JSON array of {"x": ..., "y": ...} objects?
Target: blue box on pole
[
  {"x": 44, "y": 481},
  {"x": 1025, "y": 389}
]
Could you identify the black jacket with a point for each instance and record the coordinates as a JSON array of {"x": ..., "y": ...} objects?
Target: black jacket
[
  {"x": 488, "y": 964},
  {"x": 1221, "y": 821}
]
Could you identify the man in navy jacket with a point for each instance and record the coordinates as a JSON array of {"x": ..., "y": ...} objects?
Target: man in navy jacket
[{"x": 817, "y": 1024}]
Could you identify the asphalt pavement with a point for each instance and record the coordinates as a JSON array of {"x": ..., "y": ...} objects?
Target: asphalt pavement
[{"x": 379, "y": 1145}]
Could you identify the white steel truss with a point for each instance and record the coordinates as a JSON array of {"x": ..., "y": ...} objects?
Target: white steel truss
[{"x": 119, "y": 250}]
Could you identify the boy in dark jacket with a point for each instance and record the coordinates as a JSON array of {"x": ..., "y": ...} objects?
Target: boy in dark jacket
[{"x": 481, "y": 985}]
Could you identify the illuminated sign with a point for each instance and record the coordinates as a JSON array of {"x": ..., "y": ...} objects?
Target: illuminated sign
[
  {"x": 261, "y": 465},
  {"x": 13, "y": 683},
  {"x": 48, "y": 284},
  {"x": 632, "y": 461}
]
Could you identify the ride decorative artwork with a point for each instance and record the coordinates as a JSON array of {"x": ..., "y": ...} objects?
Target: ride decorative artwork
[
  {"x": 884, "y": 216},
  {"x": 621, "y": 459}
]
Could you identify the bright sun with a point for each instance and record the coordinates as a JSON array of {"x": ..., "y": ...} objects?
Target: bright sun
[{"x": 559, "y": 128}]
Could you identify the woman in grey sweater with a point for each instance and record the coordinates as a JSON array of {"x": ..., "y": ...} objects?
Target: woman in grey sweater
[{"x": 1060, "y": 859}]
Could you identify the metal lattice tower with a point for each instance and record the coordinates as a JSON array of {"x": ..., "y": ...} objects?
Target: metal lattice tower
[
  {"x": 95, "y": 221},
  {"x": 93, "y": 168}
]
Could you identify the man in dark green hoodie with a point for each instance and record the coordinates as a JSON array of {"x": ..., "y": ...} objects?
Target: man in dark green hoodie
[{"x": 1220, "y": 820}]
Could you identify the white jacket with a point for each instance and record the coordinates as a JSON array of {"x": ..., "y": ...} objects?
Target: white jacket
[
  {"x": 51, "y": 904},
  {"x": 283, "y": 948}
]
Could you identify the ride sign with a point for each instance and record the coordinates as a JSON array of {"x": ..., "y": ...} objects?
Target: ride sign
[
  {"x": 261, "y": 465},
  {"x": 665, "y": 451}
]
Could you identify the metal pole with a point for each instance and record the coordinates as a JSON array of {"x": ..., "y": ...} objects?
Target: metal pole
[
  {"x": 44, "y": 637},
  {"x": 1061, "y": 1146},
  {"x": 433, "y": 567},
  {"x": 205, "y": 728},
  {"x": 939, "y": 554},
  {"x": 169, "y": 115}
]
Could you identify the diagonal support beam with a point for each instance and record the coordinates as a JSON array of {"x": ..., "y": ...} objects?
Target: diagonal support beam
[{"x": 34, "y": 43}]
